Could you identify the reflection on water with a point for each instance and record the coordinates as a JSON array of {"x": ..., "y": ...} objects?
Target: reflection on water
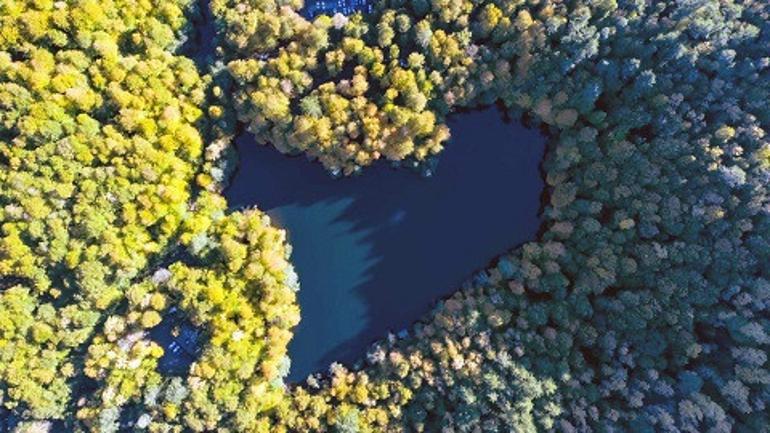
[{"x": 374, "y": 252}]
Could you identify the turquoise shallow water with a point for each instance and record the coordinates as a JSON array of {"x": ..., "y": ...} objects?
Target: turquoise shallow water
[{"x": 374, "y": 252}]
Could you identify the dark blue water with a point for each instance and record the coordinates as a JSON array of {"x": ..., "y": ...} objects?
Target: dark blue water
[{"x": 375, "y": 252}]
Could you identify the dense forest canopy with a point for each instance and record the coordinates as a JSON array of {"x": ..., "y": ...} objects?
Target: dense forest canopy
[{"x": 643, "y": 305}]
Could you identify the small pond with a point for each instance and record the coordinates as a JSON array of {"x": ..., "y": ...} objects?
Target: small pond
[{"x": 375, "y": 252}]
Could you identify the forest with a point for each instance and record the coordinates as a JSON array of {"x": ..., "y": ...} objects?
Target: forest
[{"x": 643, "y": 305}]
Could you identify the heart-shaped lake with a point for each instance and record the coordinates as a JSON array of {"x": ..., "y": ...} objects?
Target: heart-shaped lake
[{"x": 374, "y": 252}]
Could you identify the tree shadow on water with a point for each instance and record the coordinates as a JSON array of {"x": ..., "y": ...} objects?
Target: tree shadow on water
[{"x": 374, "y": 252}]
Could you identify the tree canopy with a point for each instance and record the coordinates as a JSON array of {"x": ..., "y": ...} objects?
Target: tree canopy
[{"x": 642, "y": 306}]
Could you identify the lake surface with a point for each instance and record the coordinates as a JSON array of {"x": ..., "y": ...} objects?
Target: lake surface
[{"x": 374, "y": 252}]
